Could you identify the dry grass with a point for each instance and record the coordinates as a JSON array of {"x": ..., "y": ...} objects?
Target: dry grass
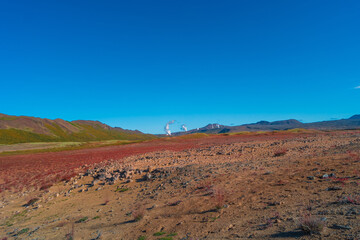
[
  {"x": 311, "y": 224},
  {"x": 138, "y": 213},
  {"x": 219, "y": 197},
  {"x": 280, "y": 152}
]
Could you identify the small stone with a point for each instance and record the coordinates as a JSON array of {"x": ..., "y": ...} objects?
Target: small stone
[
  {"x": 332, "y": 175},
  {"x": 147, "y": 176},
  {"x": 230, "y": 226}
]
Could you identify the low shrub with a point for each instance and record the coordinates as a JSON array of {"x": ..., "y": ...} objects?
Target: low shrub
[
  {"x": 280, "y": 152},
  {"x": 311, "y": 224},
  {"x": 31, "y": 202},
  {"x": 219, "y": 197},
  {"x": 138, "y": 213}
]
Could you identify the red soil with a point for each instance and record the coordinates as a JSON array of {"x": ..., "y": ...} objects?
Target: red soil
[{"x": 41, "y": 169}]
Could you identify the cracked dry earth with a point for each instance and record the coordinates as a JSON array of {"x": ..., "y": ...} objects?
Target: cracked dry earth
[{"x": 260, "y": 189}]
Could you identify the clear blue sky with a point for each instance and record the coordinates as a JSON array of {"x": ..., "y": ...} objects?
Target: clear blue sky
[{"x": 139, "y": 64}]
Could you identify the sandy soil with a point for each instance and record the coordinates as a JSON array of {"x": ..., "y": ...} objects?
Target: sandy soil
[{"x": 232, "y": 187}]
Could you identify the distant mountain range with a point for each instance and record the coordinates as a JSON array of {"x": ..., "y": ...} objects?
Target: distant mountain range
[
  {"x": 18, "y": 129},
  {"x": 350, "y": 123}
]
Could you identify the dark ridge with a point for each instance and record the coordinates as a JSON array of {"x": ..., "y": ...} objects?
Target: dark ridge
[{"x": 357, "y": 116}]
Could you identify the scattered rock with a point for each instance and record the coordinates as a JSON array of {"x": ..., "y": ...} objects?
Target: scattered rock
[{"x": 332, "y": 175}]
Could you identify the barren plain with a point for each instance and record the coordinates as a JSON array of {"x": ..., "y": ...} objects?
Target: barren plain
[{"x": 259, "y": 186}]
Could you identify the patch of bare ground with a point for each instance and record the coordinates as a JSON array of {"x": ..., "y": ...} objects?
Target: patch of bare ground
[{"x": 298, "y": 187}]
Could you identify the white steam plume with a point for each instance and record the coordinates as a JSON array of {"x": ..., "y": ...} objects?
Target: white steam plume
[
  {"x": 183, "y": 127},
  {"x": 167, "y": 128}
]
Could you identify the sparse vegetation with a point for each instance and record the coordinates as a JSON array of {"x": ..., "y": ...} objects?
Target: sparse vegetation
[
  {"x": 11, "y": 136},
  {"x": 31, "y": 202},
  {"x": 67, "y": 146},
  {"x": 194, "y": 136},
  {"x": 197, "y": 192},
  {"x": 311, "y": 224},
  {"x": 298, "y": 130},
  {"x": 159, "y": 234},
  {"x": 172, "y": 234},
  {"x": 9, "y": 118},
  {"x": 219, "y": 197},
  {"x": 118, "y": 189},
  {"x": 83, "y": 219},
  {"x": 22, "y": 231},
  {"x": 53, "y": 132},
  {"x": 138, "y": 213},
  {"x": 280, "y": 152},
  {"x": 18, "y": 216}
]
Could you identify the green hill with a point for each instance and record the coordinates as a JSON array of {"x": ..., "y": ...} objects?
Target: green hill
[{"x": 14, "y": 129}]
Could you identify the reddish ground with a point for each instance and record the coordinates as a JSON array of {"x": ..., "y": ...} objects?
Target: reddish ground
[
  {"x": 268, "y": 186},
  {"x": 39, "y": 170}
]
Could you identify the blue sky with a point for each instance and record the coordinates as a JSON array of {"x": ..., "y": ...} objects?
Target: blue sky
[{"x": 139, "y": 64}]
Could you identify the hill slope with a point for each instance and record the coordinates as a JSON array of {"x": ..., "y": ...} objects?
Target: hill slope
[
  {"x": 20, "y": 129},
  {"x": 350, "y": 123}
]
